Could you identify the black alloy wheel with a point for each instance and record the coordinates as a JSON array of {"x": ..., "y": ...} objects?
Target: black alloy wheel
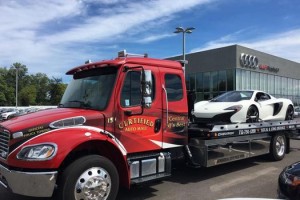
[
  {"x": 252, "y": 114},
  {"x": 289, "y": 113}
]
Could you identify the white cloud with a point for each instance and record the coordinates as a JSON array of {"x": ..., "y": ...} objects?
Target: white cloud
[
  {"x": 155, "y": 37},
  {"x": 285, "y": 44},
  {"x": 121, "y": 19},
  {"x": 52, "y": 36}
]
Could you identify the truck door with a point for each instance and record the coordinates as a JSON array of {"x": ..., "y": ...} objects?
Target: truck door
[
  {"x": 175, "y": 111},
  {"x": 138, "y": 129}
]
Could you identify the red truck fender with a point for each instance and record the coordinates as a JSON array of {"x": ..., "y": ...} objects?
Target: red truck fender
[{"x": 73, "y": 143}]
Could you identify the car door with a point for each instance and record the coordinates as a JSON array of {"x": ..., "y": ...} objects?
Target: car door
[{"x": 266, "y": 105}]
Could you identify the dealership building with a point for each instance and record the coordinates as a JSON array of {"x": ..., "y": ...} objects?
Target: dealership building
[{"x": 213, "y": 72}]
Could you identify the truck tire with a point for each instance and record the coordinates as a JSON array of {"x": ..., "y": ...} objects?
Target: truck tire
[
  {"x": 89, "y": 177},
  {"x": 278, "y": 147}
]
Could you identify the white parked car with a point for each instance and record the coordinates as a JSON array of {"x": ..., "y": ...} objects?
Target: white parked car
[
  {"x": 243, "y": 106},
  {"x": 297, "y": 111},
  {"x": 7, "y": 115}
]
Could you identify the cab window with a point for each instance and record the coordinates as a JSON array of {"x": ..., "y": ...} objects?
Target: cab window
[
  {"x": 131, "y": 94},
  {"x": 173, "y": 87}
]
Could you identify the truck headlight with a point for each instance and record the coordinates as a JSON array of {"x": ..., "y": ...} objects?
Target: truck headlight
[{"x": 38, "y": 152}]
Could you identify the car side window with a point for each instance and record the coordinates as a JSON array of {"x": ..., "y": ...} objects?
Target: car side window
[
  {"x": 262, "y": 96},
  {"x": 266, "y": 96},
  {"x": 173, "y": 87}
]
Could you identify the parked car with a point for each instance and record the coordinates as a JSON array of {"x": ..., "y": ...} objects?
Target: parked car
[
  {"x": 289, "y": 182},
  {"x": 3, "y": 110},
  {"x": 8, "y": 114},
  {"x": 297, "y": 111},
  {"x": 243, "y": 106}
]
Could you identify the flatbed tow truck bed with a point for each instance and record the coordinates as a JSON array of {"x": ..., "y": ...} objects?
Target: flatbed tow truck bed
[{"x": 225, "y": 143}]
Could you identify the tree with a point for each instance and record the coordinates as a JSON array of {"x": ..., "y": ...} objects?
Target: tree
[
  {"x": 56, "y": 91},
  {"x": 3, "y": 91},
  {"x": 28, "y": 95},
  {"x": 34, "y": 89},
  {"x": 7, "y": 96},
  {"x": 10, "y": 79},
  {"x": 42, "y": 84}
]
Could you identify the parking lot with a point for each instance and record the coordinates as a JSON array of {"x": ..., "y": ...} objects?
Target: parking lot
[
  {"x": 255, "y": 177},
  {"x": 11, "y": 112}
]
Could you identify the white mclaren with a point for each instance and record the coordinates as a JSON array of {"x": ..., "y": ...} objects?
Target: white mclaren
[{"x": 243, "y": 106}]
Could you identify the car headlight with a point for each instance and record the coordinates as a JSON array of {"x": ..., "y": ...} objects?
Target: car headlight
[
  {"x": 236, "y": 108},
  {"x": 38, "y": 152},
  {"x": 291, "y": 179}
]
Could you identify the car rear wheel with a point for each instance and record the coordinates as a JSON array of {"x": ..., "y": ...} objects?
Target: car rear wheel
[
  {"x": 289, "y": 113},
  {"x": 252, "y": 114}
]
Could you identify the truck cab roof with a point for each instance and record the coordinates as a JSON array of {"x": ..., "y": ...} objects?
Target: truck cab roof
[{"x": 127, "y": 60}]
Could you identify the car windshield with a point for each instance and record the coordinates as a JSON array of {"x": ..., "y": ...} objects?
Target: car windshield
[
  {"x": 90, "y": 89},
  {"x": 233, "y": 96}
]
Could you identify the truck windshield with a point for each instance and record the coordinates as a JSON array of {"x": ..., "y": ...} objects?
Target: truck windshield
[{"x": 90, "y": 89}]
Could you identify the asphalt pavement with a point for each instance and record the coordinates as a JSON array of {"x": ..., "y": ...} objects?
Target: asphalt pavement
[{"x": 252, "y": 178}]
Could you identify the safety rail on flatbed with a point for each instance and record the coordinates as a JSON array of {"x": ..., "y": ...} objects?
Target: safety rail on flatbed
[{"x": 231, "y": 130}]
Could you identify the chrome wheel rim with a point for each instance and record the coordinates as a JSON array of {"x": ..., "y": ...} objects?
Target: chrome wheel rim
[
  {"x": 280, "y": 146},
  {"x": 93, "y": 184}
]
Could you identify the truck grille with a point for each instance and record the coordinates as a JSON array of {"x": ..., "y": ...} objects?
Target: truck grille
[{"x": 4, "y": 140}]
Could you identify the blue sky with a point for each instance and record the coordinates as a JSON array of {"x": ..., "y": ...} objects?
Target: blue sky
[{"x": 52, "y": 36}]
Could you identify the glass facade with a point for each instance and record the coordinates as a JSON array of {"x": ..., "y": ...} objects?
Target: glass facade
[{"x": 210, "y": 84}]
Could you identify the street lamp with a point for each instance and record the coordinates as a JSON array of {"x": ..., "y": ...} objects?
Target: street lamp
[
  {"x": 184, "y": 31},
  {"x": 17, "y": 68}
]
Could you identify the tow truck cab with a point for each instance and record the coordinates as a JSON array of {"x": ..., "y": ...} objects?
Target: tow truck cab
[{"x": 126, "y": 111}]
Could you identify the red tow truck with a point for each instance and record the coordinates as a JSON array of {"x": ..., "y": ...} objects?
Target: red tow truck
[{"x": 122, "y": 122}]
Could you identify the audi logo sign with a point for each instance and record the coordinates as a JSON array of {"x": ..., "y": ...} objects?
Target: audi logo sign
[{"x": 249, "y": 61}]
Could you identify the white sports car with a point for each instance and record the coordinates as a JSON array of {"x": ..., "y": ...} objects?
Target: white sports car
[{"x": 243, "y": 106}]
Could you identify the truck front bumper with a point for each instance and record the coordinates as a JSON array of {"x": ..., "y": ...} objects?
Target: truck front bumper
[{"x": 35, "y": 184}]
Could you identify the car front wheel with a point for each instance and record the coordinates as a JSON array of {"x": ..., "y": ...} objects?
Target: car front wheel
[{"x": 252, "y": 114}]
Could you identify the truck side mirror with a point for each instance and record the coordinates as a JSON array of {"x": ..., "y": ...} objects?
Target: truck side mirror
[{"x": 146, "y": 84}]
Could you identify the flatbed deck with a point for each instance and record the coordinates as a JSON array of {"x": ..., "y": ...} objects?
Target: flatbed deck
[{"x": 234, "y": 130}]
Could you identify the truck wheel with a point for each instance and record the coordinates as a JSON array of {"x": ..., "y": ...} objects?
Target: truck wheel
[
  {"x": 90, "y": 177},
  {"x": 278, "y": 147}
]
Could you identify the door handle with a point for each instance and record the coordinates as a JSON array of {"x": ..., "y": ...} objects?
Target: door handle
[{"x": 157, "y": 125}]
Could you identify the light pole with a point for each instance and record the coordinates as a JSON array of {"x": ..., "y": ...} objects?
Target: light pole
[
  {"x": 184, "y": 31},
  {"x": 17, "y": 68}
]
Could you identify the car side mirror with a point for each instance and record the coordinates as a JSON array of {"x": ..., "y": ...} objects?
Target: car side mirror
[{"x": 146, "y": 84}]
